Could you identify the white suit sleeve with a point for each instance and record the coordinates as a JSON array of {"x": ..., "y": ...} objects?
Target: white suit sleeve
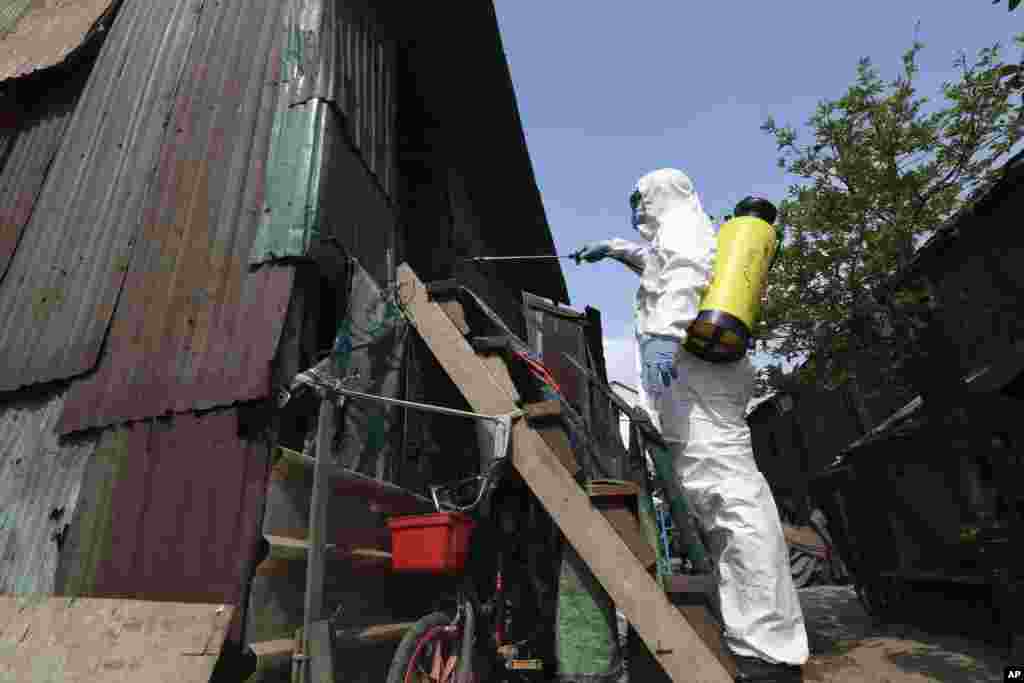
[{"x": 629, "y": 253}]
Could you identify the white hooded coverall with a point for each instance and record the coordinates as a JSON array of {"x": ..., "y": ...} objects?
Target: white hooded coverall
[{"x": 700, "y": 407}]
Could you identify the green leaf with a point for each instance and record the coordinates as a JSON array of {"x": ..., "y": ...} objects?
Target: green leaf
[
  {"x": 1014, "y": 4},
  {"x": 875, "y": 173}
]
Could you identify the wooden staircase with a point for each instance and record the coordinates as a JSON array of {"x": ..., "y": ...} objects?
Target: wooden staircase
[
  {"x": 683, "y": 642},
  {"x": 684, "y": 651}
]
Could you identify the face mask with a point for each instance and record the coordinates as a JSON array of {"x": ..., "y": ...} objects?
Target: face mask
[{"x": 638, "y": 217}]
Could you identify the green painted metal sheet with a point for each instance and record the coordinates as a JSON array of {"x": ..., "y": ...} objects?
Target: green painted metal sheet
[{"x": 290, "y": 215}]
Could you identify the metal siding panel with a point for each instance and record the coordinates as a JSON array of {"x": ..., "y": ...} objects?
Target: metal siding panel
[
  {"x": 62, "y": 285},
  {"x": 194, "y": 328},
  {"x": 40, "y": 486},
  {"x": 37, "y": 35},
  {"x": 28, "y": 158},
  {"x": 184, "y": 515},
  {"x": 142, "y": 377},
  {"x": 343, "y": 55},
  {"x": 352, "y": 207},
  {"x": 289, "y": 215}
]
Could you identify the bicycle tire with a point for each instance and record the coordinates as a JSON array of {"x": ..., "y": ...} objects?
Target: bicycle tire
[{"x": 410, "y": 644}]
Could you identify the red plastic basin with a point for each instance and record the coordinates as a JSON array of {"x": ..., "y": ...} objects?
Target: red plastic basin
[{"x": 436, "y": 543}]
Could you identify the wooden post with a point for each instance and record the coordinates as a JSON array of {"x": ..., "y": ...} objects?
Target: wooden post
[{"x": 667, "y": 634}]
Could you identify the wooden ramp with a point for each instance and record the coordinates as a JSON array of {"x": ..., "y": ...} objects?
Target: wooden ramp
[
  {"x": 669, "y": 637},
  {"x": 92, "y": 640}
]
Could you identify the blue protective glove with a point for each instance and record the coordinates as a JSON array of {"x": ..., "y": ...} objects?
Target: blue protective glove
[{"x": 593, "y": 252}]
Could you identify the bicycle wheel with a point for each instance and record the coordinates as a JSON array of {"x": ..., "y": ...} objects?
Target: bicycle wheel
[{"x": 428, "y": 653}]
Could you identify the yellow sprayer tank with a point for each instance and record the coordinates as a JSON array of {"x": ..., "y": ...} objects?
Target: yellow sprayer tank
[{"x": 747, "y": 245}]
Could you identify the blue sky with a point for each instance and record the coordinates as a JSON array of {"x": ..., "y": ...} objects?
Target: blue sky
[{"x": 610, "y": 90}]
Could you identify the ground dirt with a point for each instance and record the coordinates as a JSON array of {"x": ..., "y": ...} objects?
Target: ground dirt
[{"x": 847, "y": 646}]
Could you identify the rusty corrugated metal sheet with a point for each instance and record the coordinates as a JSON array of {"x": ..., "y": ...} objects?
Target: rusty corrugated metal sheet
[
  {"x": 183, "y": 350},
  {"x": 165, "y": 509},
  {"x": 40, "y": 485},
  {"x": 185, "y": 511},
  {"x": 339, "y": 74},
  {"x": 193, "y": 327},
  {"x": 63, "y": 282},
  {"x": 25, "y": 158},
  {"x": 37, "y": 35}
]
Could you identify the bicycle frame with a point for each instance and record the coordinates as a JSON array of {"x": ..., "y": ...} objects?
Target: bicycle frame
[{"x": 489, "y": 618}]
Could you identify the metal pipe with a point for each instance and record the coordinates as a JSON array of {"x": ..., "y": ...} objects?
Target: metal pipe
[
  {"x": 410, "y": 404},
  {"x": 574, "y": 256}
]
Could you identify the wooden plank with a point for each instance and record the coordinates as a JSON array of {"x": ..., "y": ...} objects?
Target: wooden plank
[
  {"x": 494, "y": 362},
  {"x": 272, "y": 655},
  {"x": 667, "y": 634},
  {"x": 287, "y": 549},
  {"x": 372, "y": 635},
  {"x": 611, "y": 487},
  {"x": 321, "y": 652},
  {"x": 555, "y": 437},
  {"x": 627, "y": 526},
  {"x": 710, "y": 633},
  {"x": 543, "y": 411},
  {"x": 453, "y": 309},
  {"x": 93, "y": 640},
  {"x": 387, "y": 497},
  {"x": 544, "y": 417}
]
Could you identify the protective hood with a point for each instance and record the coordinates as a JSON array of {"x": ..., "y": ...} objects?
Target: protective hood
[
  {"x": 677, "y": 265},
  {"x": 666, "y": 198}
]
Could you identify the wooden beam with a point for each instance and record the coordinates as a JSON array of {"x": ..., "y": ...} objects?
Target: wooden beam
[
  {"x": 453, "y": 309},
  {"x": 667, "y": 634},
  {"x": 494, "y": 362}
]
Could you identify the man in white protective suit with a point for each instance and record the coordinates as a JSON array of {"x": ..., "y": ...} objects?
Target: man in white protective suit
[{"x": 699, "y": 408}]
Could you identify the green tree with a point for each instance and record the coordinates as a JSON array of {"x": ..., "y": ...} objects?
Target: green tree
[
  {"x": 1013, "y": 3},
  {"x": 882, "y": 168}
]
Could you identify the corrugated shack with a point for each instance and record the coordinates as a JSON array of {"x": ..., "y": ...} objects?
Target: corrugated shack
[
  {"x": 797, "y": 434},
  {"x": 181, "y": 187},
  {"x": 931, "y": 498}
]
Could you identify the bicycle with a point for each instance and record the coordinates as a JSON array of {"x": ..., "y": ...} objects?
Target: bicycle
[{"x": 491, "y": 639}]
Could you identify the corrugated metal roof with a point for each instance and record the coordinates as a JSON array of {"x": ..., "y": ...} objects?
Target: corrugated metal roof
[
  {"x": 63, "y": 282},
  {"x": 35, "y": 35},
  {"x": 194, "y": 328},
  {"x": 28, "y": 154},
  {"x": 40, "y": 485}
]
